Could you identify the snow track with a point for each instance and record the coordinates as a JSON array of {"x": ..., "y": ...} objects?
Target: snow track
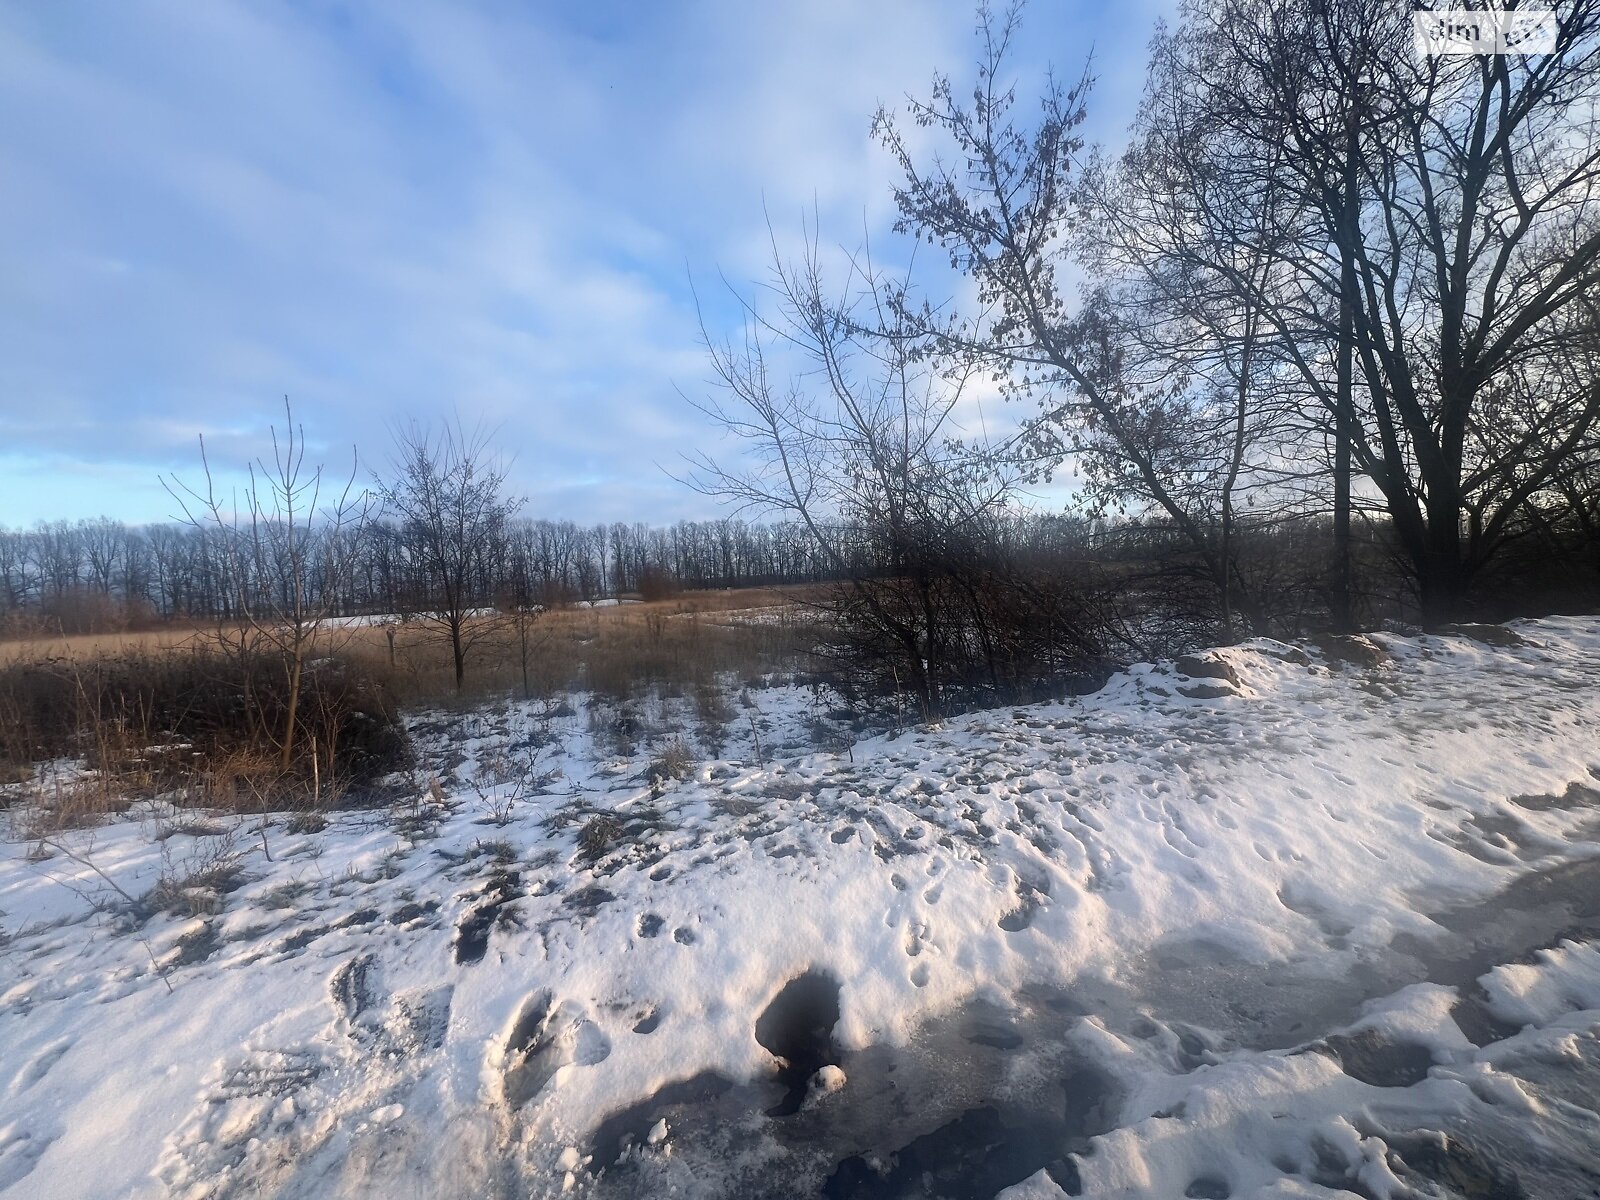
[{"x": 1259, "y": 940}]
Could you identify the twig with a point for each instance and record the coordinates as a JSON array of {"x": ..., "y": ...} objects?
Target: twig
[{"x": 117, "y": 888}]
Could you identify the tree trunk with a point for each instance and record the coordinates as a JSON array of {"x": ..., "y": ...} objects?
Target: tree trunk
[
  {"x": 287, "y": 754},
  {"x": 1441, "y": 578},
  {"x": 1340, "y": 608},
  {"x": 458, "y": 652}
]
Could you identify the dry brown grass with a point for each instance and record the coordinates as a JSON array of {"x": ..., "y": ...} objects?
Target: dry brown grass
[
  {"x": 66, "y": 804},
  {"x": 198, "y": 726},
  {"x": 691, "y": 645},
  {"x": 372, "y": 639},
  {"x": 616, "y": 651},
  {"x": 95, "y": 645},
  {"x": 688, "y": 644}
]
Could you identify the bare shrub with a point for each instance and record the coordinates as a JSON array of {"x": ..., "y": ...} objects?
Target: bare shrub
[
  {"x": 597, "y": 835},
  {"x": 83, "y": 610},
  {"x": 676, "y": 761},
  {"x": 195, "y": 882},
  {"x": 714, "y": 713},
  {"x": 863, "y": 443},
  {"x": 76, "y": 803},
  {"x": 308, "y": 821},
  {"x": 200, "y": 723},
  {"x": 506, "y": 778},
  {"x": 656, "y": 583}
]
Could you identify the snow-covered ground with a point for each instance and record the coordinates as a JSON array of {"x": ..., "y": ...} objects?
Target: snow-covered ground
[{"x": 1330, "y": 931}]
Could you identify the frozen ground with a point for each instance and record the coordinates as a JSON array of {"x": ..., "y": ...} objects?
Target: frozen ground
[{"x": 1331, "y": 931}]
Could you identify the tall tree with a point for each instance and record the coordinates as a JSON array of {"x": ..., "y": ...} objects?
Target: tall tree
[
  {"x": 1458, "y": 201},
  {"x": 1436, "y": 219}
]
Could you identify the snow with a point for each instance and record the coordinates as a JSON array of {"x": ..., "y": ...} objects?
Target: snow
[
  {"x": 1562, "y": 979},
  {"x": 378, "y": 620},
  {"x": 1224, "y": 914}
]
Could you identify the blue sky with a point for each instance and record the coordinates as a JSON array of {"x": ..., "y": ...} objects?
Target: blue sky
[{"x": 405, "y": 210}]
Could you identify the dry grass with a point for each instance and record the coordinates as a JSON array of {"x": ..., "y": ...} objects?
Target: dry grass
[
  {"x": 96, "y": 645},
  {"x": 196, "y": 726},
  {"x": 63, "y": 804},
  {"x": 372, "y": 639},
  {"x": 687, "y": 645},
  {"x": 616, "y": 652}
]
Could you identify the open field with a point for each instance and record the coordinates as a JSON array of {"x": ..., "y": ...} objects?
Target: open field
[
  {"x": 676, "y": 642},
  {"x": 369, "y": 635},
  {"x": 89, "y": 722}
]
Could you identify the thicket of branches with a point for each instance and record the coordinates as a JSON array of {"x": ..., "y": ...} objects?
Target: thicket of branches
[{"x": 1335, "y": 357}]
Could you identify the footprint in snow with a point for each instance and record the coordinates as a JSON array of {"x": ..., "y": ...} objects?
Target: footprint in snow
[
  {"x": 418, "y": 1020},
  {"x": 268, "y": 1074},
  {"x": 37, "y": 1067},
  {"x": 916, "y": 938},
  {"x": 1028, "y": 904},
  {"x": 1176, "y": 839},
  {"x": 545, "y": 1038},
  {"x": 250, "y": 1100},
  {"x": 20, "y": 1152},
  {"x": 351, "y": 991}
]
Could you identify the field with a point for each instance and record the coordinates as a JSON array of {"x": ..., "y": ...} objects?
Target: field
[
  {"x": 73, "y": 708},
  {"x": 1276, "y": 924},
  {"x": 566, "y": 637}
]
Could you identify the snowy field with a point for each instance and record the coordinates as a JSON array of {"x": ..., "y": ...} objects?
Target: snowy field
[{"x": 1328, "y": 931}]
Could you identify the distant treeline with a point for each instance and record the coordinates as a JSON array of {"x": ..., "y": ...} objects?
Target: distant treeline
[
  {"x": 85, "y": 571},
  {"x": 93, "y": 575},
  {"x": 98, "y": 575}
]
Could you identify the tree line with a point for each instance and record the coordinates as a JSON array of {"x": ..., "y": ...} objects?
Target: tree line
[{"x": 106, "y": 570}]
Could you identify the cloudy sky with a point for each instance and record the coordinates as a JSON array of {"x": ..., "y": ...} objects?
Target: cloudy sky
[{"x": 409, "y": 209}]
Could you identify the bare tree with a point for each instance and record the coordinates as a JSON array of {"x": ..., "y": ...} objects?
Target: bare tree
[
  {"x": 846, "y": 428},
  {"x": 448, "y": 493},
  {"x": 1455, "y": 210},
  {"x": 1006, "y": 206},
  {"x": 1434, "y": 225},
  {"x": 285, "y": 546}
]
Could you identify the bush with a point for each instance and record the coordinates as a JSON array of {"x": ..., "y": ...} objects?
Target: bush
[
  {"x": 657, "y": 583},
  {"x": 675, "y": 761},
  {"x": 598, "y": 832},
  {"x": 204, "y": 722},
  {"x": 83, "y": 610}
]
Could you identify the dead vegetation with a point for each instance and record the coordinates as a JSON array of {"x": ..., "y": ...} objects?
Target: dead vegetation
[
  {"x": 88, "y": 724},
  {"x": 193, "y": 726}
]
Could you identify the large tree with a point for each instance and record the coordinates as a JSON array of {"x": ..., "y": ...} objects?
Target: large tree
[{"x": 1434, "y": 244}]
